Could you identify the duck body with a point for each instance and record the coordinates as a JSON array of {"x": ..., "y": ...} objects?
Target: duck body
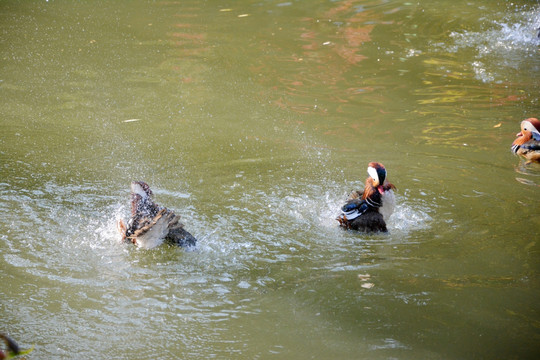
[
  {"x": 151, "y": 225},
  {"x": 527, "y": 142},
  {"x": 368, "y": 210}
]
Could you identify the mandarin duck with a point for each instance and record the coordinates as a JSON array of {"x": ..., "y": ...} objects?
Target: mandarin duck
[
  {"x": 527, "y": 142},
  {"x": 150, "y": 224},
  {"x": 369, "y": 209}
]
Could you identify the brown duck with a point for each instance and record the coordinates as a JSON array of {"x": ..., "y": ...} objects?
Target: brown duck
[{"x": 151, "y": 225}]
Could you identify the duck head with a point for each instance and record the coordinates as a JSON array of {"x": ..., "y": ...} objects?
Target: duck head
[
  {"x": 531, "y": 125},
  {"x": 376, "y": 182},
  {"x": 377, "y": 174}
]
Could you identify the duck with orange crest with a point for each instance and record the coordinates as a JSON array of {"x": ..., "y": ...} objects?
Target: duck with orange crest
[
  {"x": 151, "y": 225},
  {"x": 368, "y": 210},
  {"x": 527, "y": 142}
]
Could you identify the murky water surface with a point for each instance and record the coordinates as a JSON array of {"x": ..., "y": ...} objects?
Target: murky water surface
[{"x": 253, "y": 120}]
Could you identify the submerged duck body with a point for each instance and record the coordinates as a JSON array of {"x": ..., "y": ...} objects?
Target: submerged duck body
[
  {"x": 527, "y": 142},
  {"x": 369, "y": 209},
  {"x": 151, "y": 225}
]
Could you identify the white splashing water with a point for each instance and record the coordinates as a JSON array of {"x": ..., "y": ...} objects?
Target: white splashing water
[
  {"x": 504, "y": 45},
  {"x": 408, "y": 217},
  {"x": 319, "y": 207}
]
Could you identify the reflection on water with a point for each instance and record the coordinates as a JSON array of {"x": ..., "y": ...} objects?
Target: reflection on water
[
  {"x": 530, "y": 170},
  {"x": 253, "y": 121}
]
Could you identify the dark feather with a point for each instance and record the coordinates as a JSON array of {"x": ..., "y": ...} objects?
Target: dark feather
[
  {"x": 531, "y": 145},
  {"x": 369, "y": 222},
  {"x": 146, "y": 214}
]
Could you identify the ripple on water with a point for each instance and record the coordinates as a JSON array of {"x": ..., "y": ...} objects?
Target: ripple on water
[
  {"x": 529, "y": 173},
  {"x": 502, "y": 45},
  {"x": 81, "y": 226},
  {"x": 86, "y": 274}
]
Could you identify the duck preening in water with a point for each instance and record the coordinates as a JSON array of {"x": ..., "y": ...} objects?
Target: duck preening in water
[
  {"x": 527, "y": 142},
  {"x": 369, "y": 209},
  {"x": 150, "y": 224}
]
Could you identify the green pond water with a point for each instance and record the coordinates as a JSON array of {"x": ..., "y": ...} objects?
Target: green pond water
[{"x": 253, "y": 120}]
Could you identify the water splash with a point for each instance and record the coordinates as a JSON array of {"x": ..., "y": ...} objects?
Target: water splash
[
  {"x": 409, "y": 217},
  {"x": 317, "y": 206},
  {"x": 506, "y": 44}
]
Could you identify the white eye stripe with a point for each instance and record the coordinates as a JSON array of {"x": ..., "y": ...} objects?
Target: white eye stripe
[{"x": 373, "y": 173}]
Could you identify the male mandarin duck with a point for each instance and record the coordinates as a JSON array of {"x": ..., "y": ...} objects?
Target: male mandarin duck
[
  {"x": 369, "y": 209},
  {"x": 150, "y": 224},
  {"x": 527, "y": 143}
]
